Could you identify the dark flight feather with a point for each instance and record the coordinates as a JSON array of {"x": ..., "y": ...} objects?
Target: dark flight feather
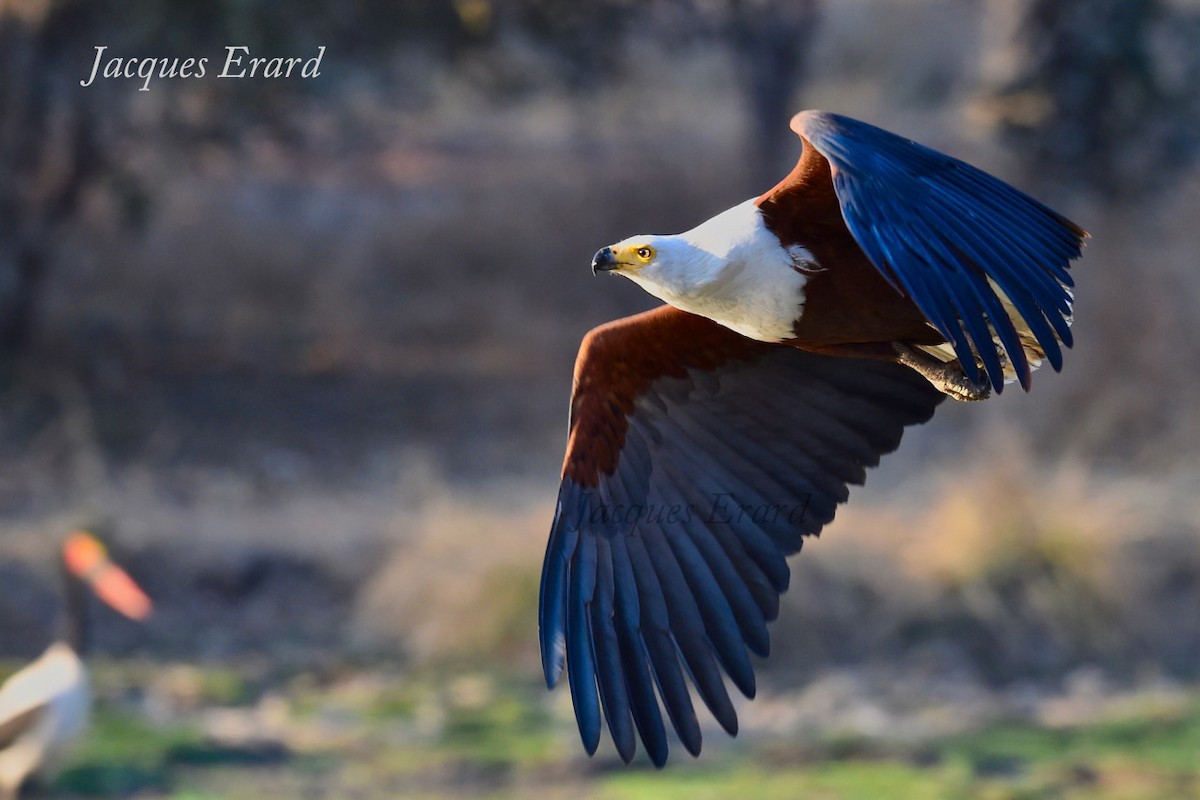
[{"x": 669, "y": 559}]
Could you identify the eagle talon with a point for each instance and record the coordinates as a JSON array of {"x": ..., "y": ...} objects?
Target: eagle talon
[{"x": 949, "y": 379}]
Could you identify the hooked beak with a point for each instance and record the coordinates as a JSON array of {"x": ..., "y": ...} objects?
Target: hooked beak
[{"x": 604, "y": 261}]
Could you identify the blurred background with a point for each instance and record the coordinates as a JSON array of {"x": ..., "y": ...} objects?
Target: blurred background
[{"x": 301, "y": 351}]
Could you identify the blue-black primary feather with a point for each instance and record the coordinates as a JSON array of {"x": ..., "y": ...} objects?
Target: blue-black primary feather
[
  {"x": 938, "y": 228},
  {"x": 635, "y": 602}
]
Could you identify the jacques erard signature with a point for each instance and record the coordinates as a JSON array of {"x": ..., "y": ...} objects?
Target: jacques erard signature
[{"x": 238, "y": 64}]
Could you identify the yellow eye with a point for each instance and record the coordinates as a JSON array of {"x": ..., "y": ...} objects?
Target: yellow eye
[{"x": 645, "y": 252}]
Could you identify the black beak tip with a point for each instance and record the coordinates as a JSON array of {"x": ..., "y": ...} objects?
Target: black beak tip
[{"x": 603, "y": 261}]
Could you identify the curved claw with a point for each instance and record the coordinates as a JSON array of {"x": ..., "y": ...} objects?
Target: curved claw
[{"x": 947, "y": 378}]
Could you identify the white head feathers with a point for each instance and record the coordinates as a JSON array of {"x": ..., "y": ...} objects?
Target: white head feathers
[{"x": 731, "y": 269}]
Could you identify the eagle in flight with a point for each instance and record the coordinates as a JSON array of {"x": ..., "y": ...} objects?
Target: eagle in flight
[{"x": 802, "y": 331}]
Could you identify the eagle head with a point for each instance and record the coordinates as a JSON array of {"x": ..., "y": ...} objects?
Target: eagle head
[{"x": 731, "y": 269}]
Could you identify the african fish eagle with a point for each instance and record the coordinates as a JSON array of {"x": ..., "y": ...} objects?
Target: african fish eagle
[{"x": 804, "y": 329}]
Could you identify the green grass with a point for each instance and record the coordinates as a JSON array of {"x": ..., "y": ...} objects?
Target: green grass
[
  {"x": 498, "y": 735},
  {"x": 120, "y": 756},
  {"x": 1141, "y": 757},
  {"x": 505, "y": 724},
  {"x": 1131, "y": 760},
  {"x": 845, "y": 780}
]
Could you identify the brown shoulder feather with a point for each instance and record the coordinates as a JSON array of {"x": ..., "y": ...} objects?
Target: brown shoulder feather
[
  {"x": 619, "y": 360},
  {"x": 803, "y": 206},
  {"x": 849, "y": 307}
]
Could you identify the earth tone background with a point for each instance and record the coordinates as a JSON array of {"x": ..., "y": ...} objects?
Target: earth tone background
[{"x": 301, "y": 350}]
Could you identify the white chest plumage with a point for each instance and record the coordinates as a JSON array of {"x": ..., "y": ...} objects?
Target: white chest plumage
[{"x": 734, "y": 271}]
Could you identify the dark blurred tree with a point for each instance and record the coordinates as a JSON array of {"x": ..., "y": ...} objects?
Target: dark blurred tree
[
  {"x": 1102, "y": 94},
  {"x": 767, "y": 40},
  {"x": 50, "y": 150},
  {"x": 770, "y": 40},
  {"x": 586, "y": 38}
]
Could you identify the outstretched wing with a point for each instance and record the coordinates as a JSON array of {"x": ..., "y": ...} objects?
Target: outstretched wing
[
  {"x": 698, "y": 460},
  {"x": 957, "y": 241}
]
